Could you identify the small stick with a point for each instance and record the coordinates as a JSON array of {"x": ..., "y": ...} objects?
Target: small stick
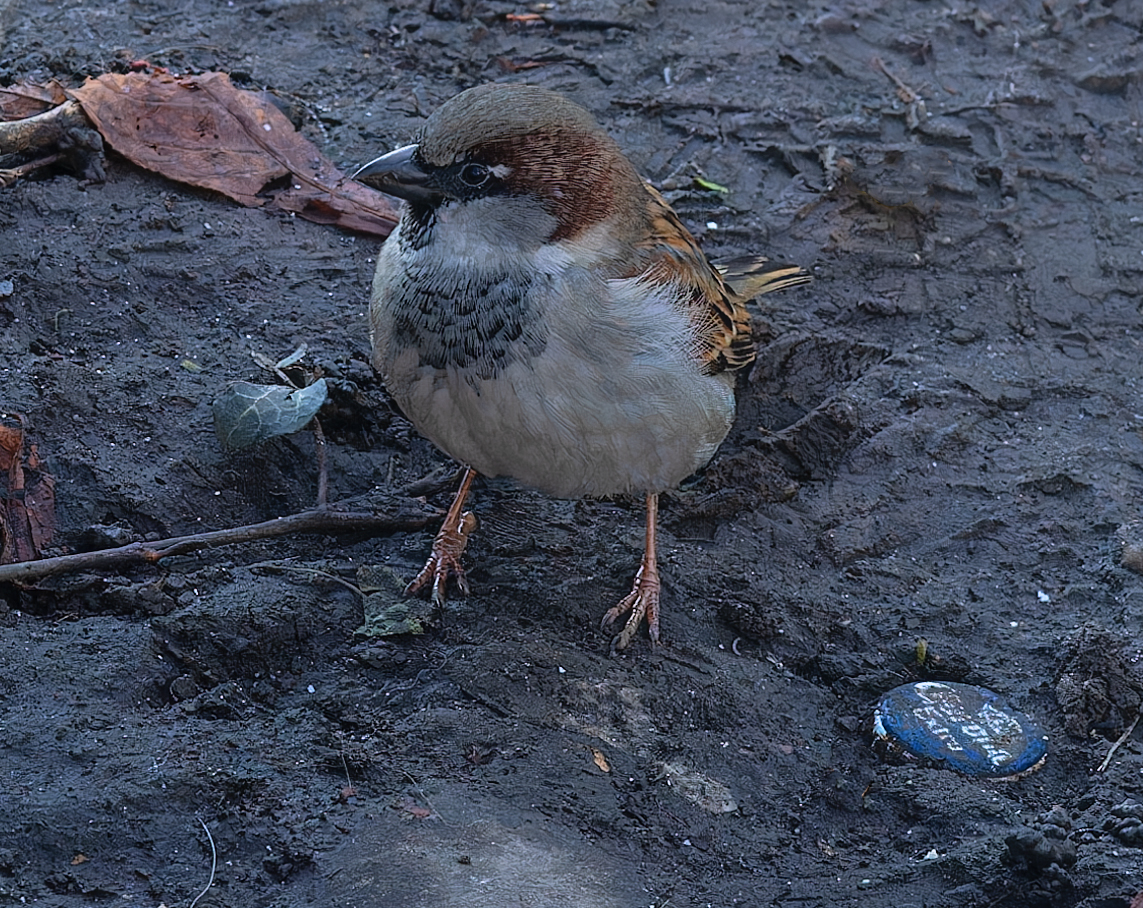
[
  {"x": 410, "y": 515},
  {"x": 213, "y": 864},
  {"x": 904, "y": 92},
  {"x": 36, "y": 134},
  {"x": 285, "y": 566},
  {"x": 323, "y": 466},
  {"x": 11, "y": 175},
  {"x": 66, "y": 129},
  {"x": 1114, "y": 747}
]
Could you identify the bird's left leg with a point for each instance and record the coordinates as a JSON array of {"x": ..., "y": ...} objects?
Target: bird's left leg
[
  {"x": 643, "y": 600},
  {"x": 448, "y": 547}
]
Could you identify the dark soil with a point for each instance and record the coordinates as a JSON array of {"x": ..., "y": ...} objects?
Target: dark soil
[{"x": 942, "y": 439}]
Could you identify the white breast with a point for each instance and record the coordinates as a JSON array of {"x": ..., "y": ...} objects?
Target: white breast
[{"x": 613, "y": 403}]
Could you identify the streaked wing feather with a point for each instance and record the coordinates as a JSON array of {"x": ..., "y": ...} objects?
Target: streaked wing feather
[{"x": 715, "y": 297}]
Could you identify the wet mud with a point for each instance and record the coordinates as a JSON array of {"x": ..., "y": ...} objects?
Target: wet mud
[{"x": 941, "y": 440}]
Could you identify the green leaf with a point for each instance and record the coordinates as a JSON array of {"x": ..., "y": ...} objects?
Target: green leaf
[{"x": 245, "y": 413}]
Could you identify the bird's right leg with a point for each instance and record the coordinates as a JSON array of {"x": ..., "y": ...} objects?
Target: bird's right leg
[
  {"x": 642, "y": 603},
  {"x": 448, "y": 547}
]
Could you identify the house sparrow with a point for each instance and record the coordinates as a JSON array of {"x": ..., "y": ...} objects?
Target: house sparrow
[{"x": 541, "y": 313}]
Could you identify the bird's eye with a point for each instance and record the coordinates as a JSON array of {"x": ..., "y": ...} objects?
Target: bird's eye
[{"x": 475, "y": 175}]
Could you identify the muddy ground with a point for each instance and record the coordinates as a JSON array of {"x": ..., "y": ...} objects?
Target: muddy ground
[{"x": 942, "y": 439}]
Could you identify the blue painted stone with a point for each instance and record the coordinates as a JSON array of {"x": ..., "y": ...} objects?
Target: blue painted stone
[{"x": 959, "y": 726}]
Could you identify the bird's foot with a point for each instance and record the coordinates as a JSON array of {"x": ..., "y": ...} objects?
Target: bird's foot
[
  {"x": 445, "y": 559},
  {"x": 642, "y": 603}
]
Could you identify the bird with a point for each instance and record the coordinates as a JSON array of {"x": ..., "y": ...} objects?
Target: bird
[{"x": 541, "y": 313}]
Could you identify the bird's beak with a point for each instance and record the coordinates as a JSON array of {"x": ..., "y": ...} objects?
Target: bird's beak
[{"x": 397, "y": 173}]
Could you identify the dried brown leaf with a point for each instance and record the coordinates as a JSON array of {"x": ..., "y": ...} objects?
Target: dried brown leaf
[
  {"x": 344, "y": 203},
  {"x": 203, "y": 131},
  {"x": 26, "y": 99},
  {"x": 408, "y": 806},
  {"x": 11, "y": 444},
  {"x": 27, "y": 500},
  {"x": 39, "y": 503},
  {"x": 197, "y": 130}
]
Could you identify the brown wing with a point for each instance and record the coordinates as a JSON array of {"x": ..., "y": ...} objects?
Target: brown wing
[{"x": 715, "y": 302}]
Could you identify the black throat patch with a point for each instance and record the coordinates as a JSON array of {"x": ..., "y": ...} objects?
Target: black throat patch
[
  {"x": 417, "y": 225},
  {"x": 478, "y": 322}
]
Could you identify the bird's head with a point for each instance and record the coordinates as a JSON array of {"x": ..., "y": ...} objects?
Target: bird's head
[{"x": 515, "y": 142}]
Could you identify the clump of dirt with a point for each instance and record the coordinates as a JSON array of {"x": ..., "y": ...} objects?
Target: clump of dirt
[{"x": 1099, "y": 683}]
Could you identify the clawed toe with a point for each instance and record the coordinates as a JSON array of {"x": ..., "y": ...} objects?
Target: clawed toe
[
  {"x": 643, "y": 600},
  {"x": 449, "y": 545},
  {"x": 435, "y": 574},
  {"x": 444, "y": 562},
  {"x": 642, "y": 603}
]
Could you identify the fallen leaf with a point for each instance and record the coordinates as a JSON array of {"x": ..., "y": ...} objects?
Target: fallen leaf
[
  {"x": 600, "y": 760},
  {"x": 27, "y": 500},
  {"x": 245, "y": 413},
  {"x": 197, "y": 130},
  {"x": 411, "y": 807},
  {"x": 204, "y": 131},
  {"x": 11, "y": 444},
  {"x": 40, "y": 503},
  {"x": 26, "y": 99}
]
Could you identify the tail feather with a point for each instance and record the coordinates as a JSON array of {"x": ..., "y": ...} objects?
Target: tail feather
[{"x": 752, "y": 276}]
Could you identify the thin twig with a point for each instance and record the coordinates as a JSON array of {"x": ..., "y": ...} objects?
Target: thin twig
[
  {"x": 303, "y": 569},
  {"x": 1114, "y": 747},
  {"x": 322, "y": 464},
  {"x": 213, "y": 864},
  {"x": 12, "y": 174},
  {"x": 425, "y": 797},
  {"x": 904, "y": 92},
  {"x": 410, "y": 515}
]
